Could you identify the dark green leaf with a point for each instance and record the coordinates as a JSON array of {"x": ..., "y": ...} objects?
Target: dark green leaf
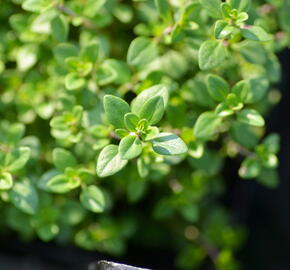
[
  {"x": 217, "y": 87},
  {"x": 63, "y": 159}
]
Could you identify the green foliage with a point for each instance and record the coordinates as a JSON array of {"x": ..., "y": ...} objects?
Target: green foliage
[{"x": 113, "y": 103}]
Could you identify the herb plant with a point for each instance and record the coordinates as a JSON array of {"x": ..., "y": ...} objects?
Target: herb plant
[{"x": 118, "y": 118}]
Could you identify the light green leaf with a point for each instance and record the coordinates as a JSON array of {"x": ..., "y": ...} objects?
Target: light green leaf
[
  {"x": 90, "y": 52},
  {"x": 6, "y": 181},
  {"x": 24, "y": 196},
  {"x": 222, "y": 29},
  {"x": 163, "y": 8},
  {"x": 250, "y": 168},
  {"x": 217, "y": 87},
  {"x": 206, "y": 125},
  {"x": 131, "y": 120},
  {"x": 26, "y": 57},
  {"x": 74, "y": 81},
  {"x": 109, "y": 161},
  {"x": 92, "y": 198},
  {"x": 60, "y": 28},
  {"x": 37, "y": 5},
  {"x": 62, "y": 183},
  {"x": 130, "y": 147},
  {"x": 251, "y": 117},
  {"x": 154, "y": 91},
  {"x": 115, "y": 109},
  {"x": 212, "y": 7},
  {"x": 151, "y": 133},
  {"x": 152, "y": 110},
  {"x": 47, "y": 232},
  {"x": 18, "y": 158},
  {"x": 168, "y": 144},
  {"x": 212, "y": 53},
  {"x": 141, "y": 52},
  {"x": 240, "y": 5},
  {"x": 241, "y": 89},
  {"x": 63, "y": 159},
  {"x": 256, "y": 33}
]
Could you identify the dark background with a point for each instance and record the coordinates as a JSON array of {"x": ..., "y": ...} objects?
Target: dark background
[{"x": 266, "y": 213}]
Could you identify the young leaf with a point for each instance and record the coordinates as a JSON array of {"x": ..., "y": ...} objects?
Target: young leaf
[
  {"x": 130, "y": 147},
  {"x": 217, "y": 87},
  {"x": 241, "y": 89},
  {"x": 152, "y": 110},
  {"x": 63, "y": 159},
  {"x": 109, "y": 161},
  {"x": 115, "y": 109},
  {"x": 211, "y": 54},
  {"x": 24, "y": 196},
  {"x": 154, "y": 91},
  {"x": 250, "y": 168},
  {"x": 92, "y": 198},
  {"x": 141, "y": 52},
  {"x": 256, "y": 33},
  {"x": 151, "y": 133},
  {"x": 251, "y": 117},
  {"x": 164, "y": 10},
  {"x": 18, "y": 158},
  {"x": 206, "y": 125},
  {"x": 61, "y": 184},
  {"x": 6, "y": 181},
  {"x": 168, "y": 144},
  {"x": 222, "y": 29},
  {"x": 212, "y": 7},
  {"x": 74, "y": 81},
  {"x": 131, "y": 121},
  {"x": 240, "y": 5},
  {"x": 59, "y": 28}
]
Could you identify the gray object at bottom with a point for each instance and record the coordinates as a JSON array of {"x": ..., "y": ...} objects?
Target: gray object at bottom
[{"x": 104, "y": 265}]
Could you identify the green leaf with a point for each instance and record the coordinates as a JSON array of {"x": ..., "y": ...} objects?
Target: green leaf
[
  {"x": 63, "y": 159},
  {"x": 141, "y": 52},
  {"x": 250, "y": 168},
  {"x": 284, "y": 17},
  {"x": 154, "y": 91},
  {"x": 26, "y": 57},
  {"x": 93, "y": 199},
  {"x": 272, "y": 143},
  {"x": 240, "y": 5},
  {"x": 47, "y": 231},
  {"x": 268, "y": 178},
  {"x": 241, "y": 89},
  {"x": 168, "y": 144},
  {"x": 6, "y": 181},
  {"x": 61, "y": 183},
  {"x": 222, "y": 29},
  {"x": 152, "y": 110},
  {"x": 151, "y": 133},
  {"x": 115, "y": 109},
  {"x": 217, "y": 87},
  {"x": 36, "y": 5},
  {"x": 206, "y": 125},
  {"x": 90, "y": 52},
  {"x": 74, "y": 81},
  {"x": 24, "y": 196},
  {"x": 121, "y": 132},
  {"x": 18, "y": 158},
  {"x": 258, "y": 89},
  {"x": 244, "y": 134},
  {"x": 251, "y": 117},
  {"x": 130, "y": 147},
  {"x": 212, "y": 7},
  {"x": 60, "y": 28},
  {"x": 212, "y": 53},
  {"x": 163, "y": 8},
  {"x": 255, "y": 33},
  {"x": 109, "y": 161},
  {"x": 131, "y": 120}
]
